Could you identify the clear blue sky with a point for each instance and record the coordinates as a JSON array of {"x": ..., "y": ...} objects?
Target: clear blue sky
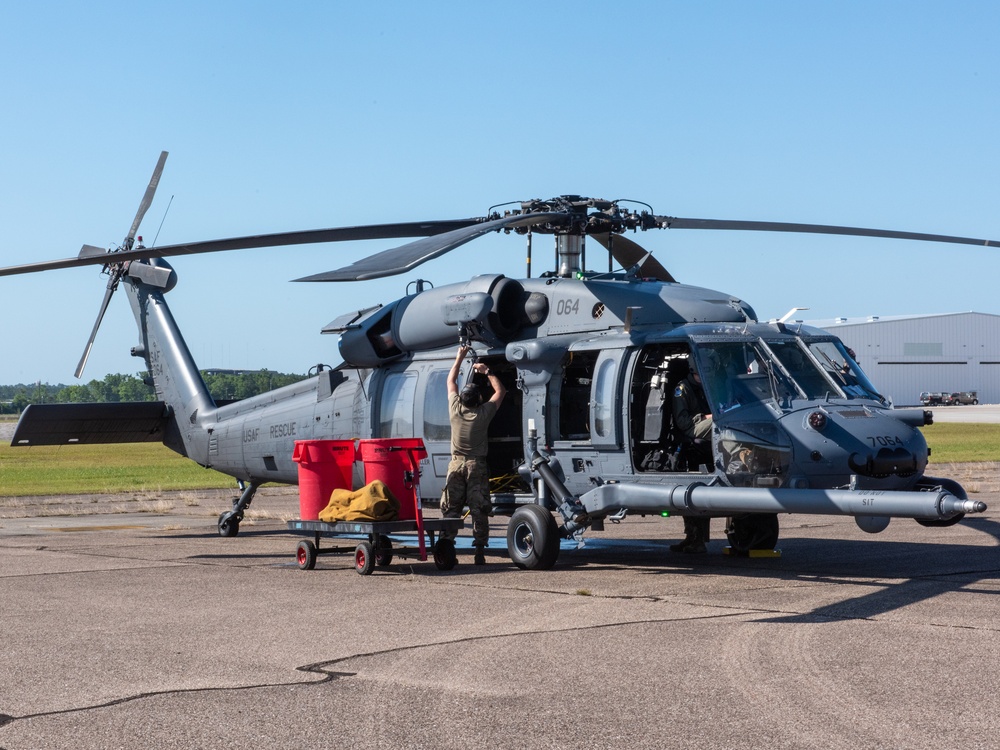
[{"x": 307, "y": 115}]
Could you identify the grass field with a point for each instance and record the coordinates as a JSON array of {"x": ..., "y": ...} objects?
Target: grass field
[
  {"x": 109, "y": 469},
  {"x": 101, "y": 469},
  {"x": 956, "y": 442}
]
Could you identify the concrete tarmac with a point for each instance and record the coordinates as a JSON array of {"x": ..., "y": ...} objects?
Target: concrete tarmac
[{"x": 151, "y": 631}]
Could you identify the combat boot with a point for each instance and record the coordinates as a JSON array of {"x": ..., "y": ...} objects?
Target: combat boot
[
  {"x": 682, "y": 545},
  {"x": 699, "y": 537},
  {"x": 695, "y": 537},
  {"x": 480, "y": 558}
]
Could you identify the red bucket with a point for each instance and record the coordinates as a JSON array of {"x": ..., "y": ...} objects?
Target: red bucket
[
  {"x": 324, "y": 466},
  {"x": 395, "y": 461}
]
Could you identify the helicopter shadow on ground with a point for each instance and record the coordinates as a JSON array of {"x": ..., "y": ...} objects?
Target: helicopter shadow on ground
[{"x": 896, "y": 574}]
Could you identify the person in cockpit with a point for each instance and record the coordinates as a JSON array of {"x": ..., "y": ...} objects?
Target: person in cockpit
[{"x": 693, "y": 425}]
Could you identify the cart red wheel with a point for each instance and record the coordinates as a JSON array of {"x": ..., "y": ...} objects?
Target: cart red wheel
[
  {"x": 383, "y": 551},
  {"x": 305, "y": 555},
  {"x": 364, "y": 558}
]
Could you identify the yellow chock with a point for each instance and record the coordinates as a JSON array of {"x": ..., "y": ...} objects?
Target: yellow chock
[{"x": 752, "y": 552}]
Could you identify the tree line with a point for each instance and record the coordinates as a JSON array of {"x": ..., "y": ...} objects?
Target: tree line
[{"x": 224, "y": 385}]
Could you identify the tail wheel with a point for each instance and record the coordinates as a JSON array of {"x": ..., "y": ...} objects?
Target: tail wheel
[
  {"x": 364, "y": 558},
  {"x": 305, "y": 555},
  {"x": 533, "y": 538},
  {"x": 229, "y": 524}
]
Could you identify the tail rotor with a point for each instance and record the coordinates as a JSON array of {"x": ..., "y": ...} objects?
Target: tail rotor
[{"x": 117, "y": 270}]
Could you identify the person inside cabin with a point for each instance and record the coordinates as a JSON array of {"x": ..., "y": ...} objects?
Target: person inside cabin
[{"x": 693, "y": 425}]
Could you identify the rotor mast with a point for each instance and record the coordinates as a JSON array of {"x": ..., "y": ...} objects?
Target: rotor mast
[{"x": 569, "y": 254}]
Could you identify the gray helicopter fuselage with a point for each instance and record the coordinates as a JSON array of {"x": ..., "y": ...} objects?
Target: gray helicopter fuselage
[
  {"x": 593, "y": 365},
  {"x": 579, "y": 366}
]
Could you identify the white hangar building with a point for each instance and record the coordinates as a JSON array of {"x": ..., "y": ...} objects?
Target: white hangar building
[{"x": 905, "y": 355}]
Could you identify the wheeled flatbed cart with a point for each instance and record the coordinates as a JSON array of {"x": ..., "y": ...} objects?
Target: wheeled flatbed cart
[
  {"x": 325, "y": 465},
  {"x": 378, "y": 548}
]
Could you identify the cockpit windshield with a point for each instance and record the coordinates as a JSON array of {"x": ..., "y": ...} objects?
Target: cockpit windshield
[{"x": 741, "y": 373}]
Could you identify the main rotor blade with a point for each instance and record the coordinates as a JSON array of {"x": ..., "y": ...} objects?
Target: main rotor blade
[
  {"x": 147, "y": 199},
  {"x": 112, "y": 285},
  {"x": 406, "y": 257},
  {"x": 94, "y": 256},
  {"x": 628, "y": 253},
  {"x": 671, "y": 222}
]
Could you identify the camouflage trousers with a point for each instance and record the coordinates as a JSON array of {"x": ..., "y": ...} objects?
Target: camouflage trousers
[{"x": 468, "y": 484}]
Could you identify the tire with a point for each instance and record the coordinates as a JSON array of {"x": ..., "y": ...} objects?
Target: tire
[
  {"x": 445, "y": 557},
  {"x": 532, "y": 538},
  {"x": 364, "y": 558},
  {"x": 383, "y": 551},
  {"x": 305, "y": 555},
  {"x": 229, "y": 524},
  {"x": 940, "y": 523},
  {"x": 753, "y": 531}
]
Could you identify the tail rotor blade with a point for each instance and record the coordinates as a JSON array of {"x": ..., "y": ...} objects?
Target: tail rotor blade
[
  {"x": 147, "y": 200},
  {"x": 112, "y": 285}
]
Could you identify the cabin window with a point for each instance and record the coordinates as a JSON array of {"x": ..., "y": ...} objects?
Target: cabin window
[
  {"x": 604, "y": 399},
  {"x": 437, "y": 425},
  {"x": 396, "y": 409}
]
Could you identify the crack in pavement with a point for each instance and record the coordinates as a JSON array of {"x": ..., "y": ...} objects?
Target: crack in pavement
[{"x": 323, "y": 668}]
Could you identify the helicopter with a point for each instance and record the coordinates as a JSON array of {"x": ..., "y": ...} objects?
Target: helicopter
[{"x": 590, "y": 361}]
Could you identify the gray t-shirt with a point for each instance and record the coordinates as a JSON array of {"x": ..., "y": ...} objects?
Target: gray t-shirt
[{"x": 469, "y": 427}]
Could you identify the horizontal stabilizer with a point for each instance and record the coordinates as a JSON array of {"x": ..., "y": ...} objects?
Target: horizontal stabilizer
[{"x": 64, "y": 424}]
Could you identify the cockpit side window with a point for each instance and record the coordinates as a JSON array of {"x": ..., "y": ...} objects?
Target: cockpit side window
[
  {"x": 840, "y": 366},
  {"x": 741, "y": 373},
  {"x": 802, "y": 369}
]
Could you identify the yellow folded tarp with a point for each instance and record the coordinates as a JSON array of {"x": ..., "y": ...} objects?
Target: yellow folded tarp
[{"x": 373, "y": 502}]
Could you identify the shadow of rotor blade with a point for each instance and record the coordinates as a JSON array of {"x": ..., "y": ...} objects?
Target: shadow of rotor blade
[
  {"x": 672, "y": 222},
  {"x": 112, "y": 285},
  {"x": 628, "y": 253},
  {"x": 406, "y": 257},
  {"x": 147, "y": 199}
]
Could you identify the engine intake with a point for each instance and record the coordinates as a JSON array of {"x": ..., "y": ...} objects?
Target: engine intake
[{"x": 492, "y": 307}]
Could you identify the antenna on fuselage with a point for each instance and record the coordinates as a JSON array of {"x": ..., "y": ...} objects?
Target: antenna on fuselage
[{"x": 784, "y": 318}]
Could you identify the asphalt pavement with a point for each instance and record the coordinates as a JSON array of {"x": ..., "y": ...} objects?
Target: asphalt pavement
[
  {"x": 989, "y": 413},
  {"x": 152, "y": 631}
]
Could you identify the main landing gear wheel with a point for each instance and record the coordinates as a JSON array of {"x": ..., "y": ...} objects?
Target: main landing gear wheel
[
  {"x": 305, "y": 555},
  {"x": 533, "y": 538},
  {"x": 383, "y": 551},
  {"x": 940, "y": 523},
  {"x": 364, "y": 558},
  {"x": 229, "y": 524},
  {"x": 752, "y": 531},
  {"x": 445, "y": 557}
]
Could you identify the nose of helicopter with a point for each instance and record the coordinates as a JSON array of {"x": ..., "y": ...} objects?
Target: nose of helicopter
[{"x": 831, "y": 445}]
